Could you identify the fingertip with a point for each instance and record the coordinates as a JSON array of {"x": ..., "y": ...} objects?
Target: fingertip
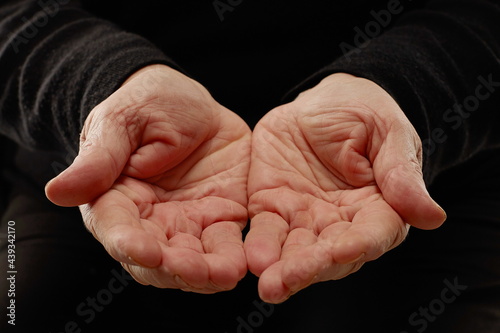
[
  {"x": 275, "y": 298},
  {"x": 134, "y": 249},
  {"x": 430, "y": 216},
  {"x": 263, "y": 242},
  {"x": 409, "y": 197},
  {"x": 80, "y": 183},
  {"x": 271, "y": 287},
  {"x": 224, "y": 273},
  {"x": 440, "y": 215},
  {"x": 49, "y": 191},
  {"x": 59, "y": 192},
  {"x": 350, "y": 249},
  {"x": 149, "y": 257}
]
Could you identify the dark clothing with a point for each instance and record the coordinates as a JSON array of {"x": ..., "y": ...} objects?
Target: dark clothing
[{"x": 439, "y": 60}]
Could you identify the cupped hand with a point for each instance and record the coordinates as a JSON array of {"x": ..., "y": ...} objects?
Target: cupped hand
[
  {"x": 161, "y": 180},
  {"x": 335, "y": 181}
]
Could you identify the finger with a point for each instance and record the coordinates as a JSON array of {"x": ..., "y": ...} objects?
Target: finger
[
  {"x": 104, "y": 151},
  {"x": 271, "y": 287},
  {"x": 114, "y": 221},
  {"x": 156, "y": 277},
  {"x": 399, "y": 175},
  {"x": 310, "y": 263},
  {"x": 181, "y": 268},
  {"x": 307, "y": 264},
  {"x": 142, "y": 246},
  {"x": 188, "y": 265},
  {"x": 296, "y": 240},
  {"x": 185, "y": 265},
  {"x": 263, "y": 242},
  {"x": 223, "y": 245},
  {"x": 375, "y": 229},
  {"x": 277, "y": 285},
  {"x": 186, "y": 241}
]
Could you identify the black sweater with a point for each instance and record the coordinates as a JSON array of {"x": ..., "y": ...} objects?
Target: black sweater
[{"x": 439, "y": 59}]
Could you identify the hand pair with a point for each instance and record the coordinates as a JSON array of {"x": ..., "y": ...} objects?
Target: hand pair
[{"x": 166, "y": 179}]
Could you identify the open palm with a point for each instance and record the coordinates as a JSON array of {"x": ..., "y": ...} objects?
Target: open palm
[
  {"x": 335, "y": 177},
  {"x": 161, "y": 178}
]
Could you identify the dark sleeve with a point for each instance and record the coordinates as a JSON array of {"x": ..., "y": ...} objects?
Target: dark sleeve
[
  {"x": 441, "y": 64},
  {"x": 56, "y": 63}
]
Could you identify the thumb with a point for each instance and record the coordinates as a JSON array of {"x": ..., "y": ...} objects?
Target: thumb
[
  {"x": 398, "y": 172},
  {"x": 104, "y": 151}
]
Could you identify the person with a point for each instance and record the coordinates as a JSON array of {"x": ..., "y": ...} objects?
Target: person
[{"x": 385, "y": 102}]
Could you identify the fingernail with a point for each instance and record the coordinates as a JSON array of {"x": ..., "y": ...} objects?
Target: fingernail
[
  {"x": 132, "y": 261},
  {"x": 276, "y": 297},
  {"x": 361, "y": 256},
  {"x": 445, "y": 216},
  {"x": 48, "y": 183},
  {"x": 216, "y": 287},
  {"x": 181, "y": 283},
  {"x": 294, "y": 284},
  {"x": 283, "y": 298}
]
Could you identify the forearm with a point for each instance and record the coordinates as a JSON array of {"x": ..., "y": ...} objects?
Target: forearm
[{"x": 58, "y": 62}]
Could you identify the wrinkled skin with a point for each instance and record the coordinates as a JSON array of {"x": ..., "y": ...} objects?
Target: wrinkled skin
[
  {"x": 335, "y": 181},
  {"x": 161, "y": 179}
]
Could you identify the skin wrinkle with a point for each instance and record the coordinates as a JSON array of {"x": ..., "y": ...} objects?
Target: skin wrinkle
[
  {"x": 379, "y": 126},
  {"x": 263, "y": 204},
  {"x": 128, "y": 120},
  {"x": 95, "y": 140},
  {"x": 305, "y": 153},
  {"x": 371, "y": 120},
  {"x": 289, "y": 161},
  {"x": 319, "y": 227},
  {"x": 146, "y": 209},
  {"x": 182, "y": 220},
  {"x": 175, "y": 112},
  {"x": 183, "y": 224},
  {"x": 345, "y": 209},
  {"x": 301, "y": 218},
  {"x": 339, "y": 179},
  {"x": 167, "y": 195},
  {"x": 155, "y": 230},
  {"x": 276, "y": 175},
  {"x": 211, "y": 154},
  {"x": 122, "y": 187},
  {"x": 187, "y": 241},
  {"x": 205, "y": 146},
  {"x": 208, "y": 243},
  {"x": 240, "y": 218},
  {"x": 167, "y": 178},
  {"x": 137, "y": 154}
]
